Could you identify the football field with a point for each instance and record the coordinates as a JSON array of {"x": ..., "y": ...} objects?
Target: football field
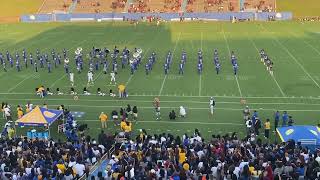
[{"x": 293, "y": 47}]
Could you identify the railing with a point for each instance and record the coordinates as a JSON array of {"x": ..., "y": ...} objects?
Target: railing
[
  {"x": 216, "y": 16},
  {"x": 98, "y": 163}
]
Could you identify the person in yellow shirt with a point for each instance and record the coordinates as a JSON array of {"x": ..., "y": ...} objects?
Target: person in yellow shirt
[
  {"x": 267, "y": 129},
  {"x": 182, "y": 156},
  {"x": 61, "y": 166},
  {"x": 10, "y": 133},
  {"x": 103, "y": 119},
  {"x": 40, "y": 91},
  {"x": 121, "y": 89},
  {"x": 127, "y": 127},
  {"x": 122, "y": 125},
  {"x": 19, "y": 112}
]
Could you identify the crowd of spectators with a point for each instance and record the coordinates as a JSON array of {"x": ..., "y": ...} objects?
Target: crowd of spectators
[
  {"x": 23, "y": 159},
  {"x": 118, "y": 4},
  {"x": 172, "y": 5},
  {"x": 139, "y": 6},
  {"x": 164, "y": 156},
  {"x": 261, "y": 6}
]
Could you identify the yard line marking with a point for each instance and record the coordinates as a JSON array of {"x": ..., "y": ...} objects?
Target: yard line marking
[
  {"x": 201, "y": 40},
  {"x": 129, "y": 80},
  {"x": 55, "y": 82},
  {"x": 175, "y": 122},
  {"x": 200, "y": 85},
  {"x": 179, "y": 96},
  {"x": 200, "y": 76},
  {"x": 307, "y": 43},
  {"x": 165, "y": 77},
  {"x": 254, "y": 44},
  {"x": 192, "y": 108},
  {"x": 144, "y": 101},
  {"x": 236, "y": 78},
  {"x": 17, "y": 85},
  {"x": 294, "y": 58},
  {"x": 146, "y": 54}
]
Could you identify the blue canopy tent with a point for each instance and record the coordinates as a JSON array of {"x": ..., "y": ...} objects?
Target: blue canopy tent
[
  {"x": 306, "y": 135},
  {"x": 39, "y": 117}
]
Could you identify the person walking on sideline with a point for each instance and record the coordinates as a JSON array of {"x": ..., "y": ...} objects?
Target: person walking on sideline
[
  {"x": 267, "y": 129},
  {"x": 103, "y": 119}
]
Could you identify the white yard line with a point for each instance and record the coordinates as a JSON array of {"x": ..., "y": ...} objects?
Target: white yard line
[
  {"x": 55, "y": 82},
  {"x": 280, "y": 89},
  {"x": 186, "y": 96},
  {"x": 184, "y": 102},
  {"x": 200, "y": 76},
  {"x": 146, "y": 55},
  {"x": 175, "y": 122},
  {"x": 235, "y": 77},
  {"x": 307, "y": 43},
  {"x": 129, "y": 79},
  {"x": 200, "y": 85},
  {"x": 294, "y": 58},
  {"x": 165, "y": 77},
  {"x": 17, "y": 85},
  {"x": 191, "y": 108}
]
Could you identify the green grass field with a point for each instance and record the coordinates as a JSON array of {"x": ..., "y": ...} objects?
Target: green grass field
[{"x": 294, "y": 48}]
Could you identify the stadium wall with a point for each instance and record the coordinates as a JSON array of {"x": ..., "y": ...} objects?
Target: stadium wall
[{"x": 261, "y": 16}]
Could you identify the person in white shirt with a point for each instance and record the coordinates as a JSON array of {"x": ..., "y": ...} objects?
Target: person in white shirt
[
  {"x": 182, "y": 112},
  {"x": 113, "y": 77},
  {"x": 79, "y": 169},
  {"x": 7, "y": 113},
  {"x": 90, "y": 77},
  {"x": 71, "y": 77},
  {"x": 212, "y": 103}
]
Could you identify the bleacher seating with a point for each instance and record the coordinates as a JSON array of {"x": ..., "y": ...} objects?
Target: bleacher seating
[
  {"x": 259, "y": 5},
  {"x": 51, "y": 6},
  {"x": 99, "y": 6},
  {"x": 139, "y": 6}
]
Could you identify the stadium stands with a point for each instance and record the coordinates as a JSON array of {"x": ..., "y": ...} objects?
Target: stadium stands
[
  {"x": 213, "y": 6},
  {"x": 259, "y": 5},
  {"x": 97, "y": 6},
  {"x": 49, "y": 159},
  {"x": 156, "y": 6},
  {"x": 51, "y": 6},
  {"x": 165, "y": 156}
]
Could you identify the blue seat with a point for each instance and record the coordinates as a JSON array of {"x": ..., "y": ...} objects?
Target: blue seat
[
  {"x": 40, "y": 135},
  {"x": 29, "y": 135},
  {"x": 46, "y": 135}
]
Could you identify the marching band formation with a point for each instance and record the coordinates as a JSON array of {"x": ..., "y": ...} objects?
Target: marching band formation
[{"x": 106, "y": 61}]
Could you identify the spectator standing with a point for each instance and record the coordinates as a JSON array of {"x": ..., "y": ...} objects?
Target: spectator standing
[
  {"x": 172, "y": 115},
  {"x": 103, "y": 119},
  {"x": 290, "y": 121},
  {"x": 248, "y": 125},
  {"x": 267, "y": 129},
  {"x": 276, "y": 120},
  {"x": 257, "y": 126},
  {"x": 135, "y": 112},
  {"x": 246, "y": 113},
  {"x": 285, "y": 118}
]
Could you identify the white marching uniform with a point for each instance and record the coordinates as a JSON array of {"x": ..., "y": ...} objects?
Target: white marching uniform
[
  {"x": 90, "y": 77},
  {"x": 211, "y": 105},
  {"x": 71, "y": 77},
  {"x": 113, "y": 77}
]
